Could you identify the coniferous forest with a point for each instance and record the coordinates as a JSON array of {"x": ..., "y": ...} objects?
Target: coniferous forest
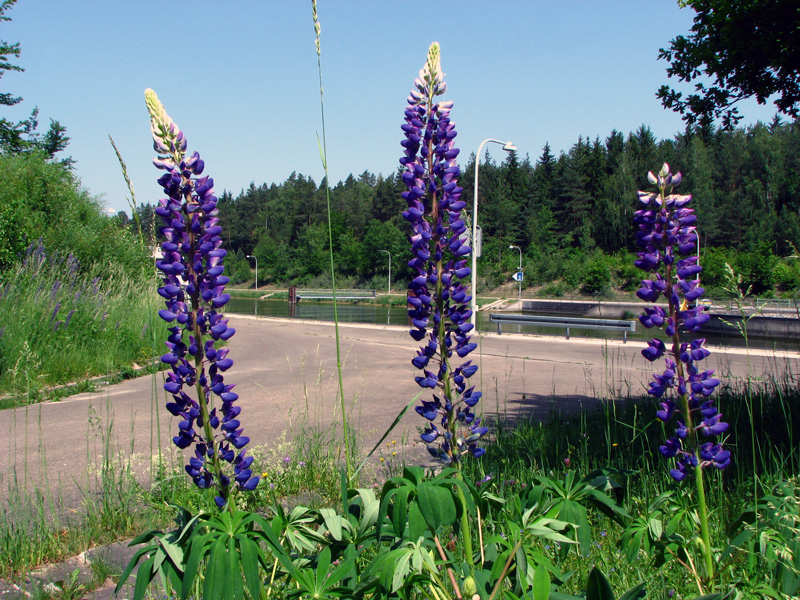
[{"x": 572, "y": 214}]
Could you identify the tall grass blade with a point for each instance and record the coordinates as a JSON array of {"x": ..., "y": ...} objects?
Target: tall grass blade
[{"x": 323, "y": 147}]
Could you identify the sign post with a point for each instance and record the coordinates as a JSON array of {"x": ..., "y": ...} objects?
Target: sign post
[{"x": 518, "y": 277}]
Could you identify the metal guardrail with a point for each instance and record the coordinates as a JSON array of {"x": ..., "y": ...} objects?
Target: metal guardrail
[
  {"x": 566, "y": 322},
  {"x": 790, "y": 305},
  {"x": 340, "y": 294}
]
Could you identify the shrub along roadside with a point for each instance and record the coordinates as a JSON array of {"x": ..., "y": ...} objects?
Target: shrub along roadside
[{"x": 44, "y": 201}]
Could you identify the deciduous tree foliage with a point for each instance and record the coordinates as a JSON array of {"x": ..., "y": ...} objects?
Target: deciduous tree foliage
[{"x": 737, "y": 49}]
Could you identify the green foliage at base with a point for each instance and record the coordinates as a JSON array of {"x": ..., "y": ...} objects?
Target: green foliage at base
[{"x": 577, "y": 505}]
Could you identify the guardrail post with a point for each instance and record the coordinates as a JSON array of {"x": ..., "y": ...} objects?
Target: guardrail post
[{"x": 567, "y": 332}]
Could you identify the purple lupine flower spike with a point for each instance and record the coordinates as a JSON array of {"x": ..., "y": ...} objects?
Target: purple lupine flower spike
[
  {"x": 193, "y": 289},
  {"x": 668, "y": 237},
  {"x": 438, "y": 302}
]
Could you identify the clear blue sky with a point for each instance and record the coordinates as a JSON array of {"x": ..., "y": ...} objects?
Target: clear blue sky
[{"x": 240, "y": 78}]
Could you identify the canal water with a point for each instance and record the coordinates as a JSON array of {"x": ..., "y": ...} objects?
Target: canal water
[{"x": 354, "y": 312}]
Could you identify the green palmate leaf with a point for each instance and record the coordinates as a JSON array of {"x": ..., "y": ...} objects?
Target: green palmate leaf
[
  {"x": 541, "y": 583},
  {"x": 632, "y": 543},
  {"x": 267, "y": 535},
  {"x": 574, "y": 513},
  {"x": 437, "y": 505},
  {"x": 304, "y": 580},
  {"x": 340, "y": 572},
  {"x": 323, "y": 564},
  {"x": 637, "y": 592},
  {"x": 170, "y": 550},
  {"x": 367, "y": 512},
  {"x": 143, "y": 578},
  {"x": 299, "y": 533},
  {"x": 387, "y": 567},
  {"x": 597, "y": 587},
  {"x": 131, "y": 565},
  {"x": 249, "y": 552},
  {"x": 416, "y": 522},
  {"x": 414, "y": 474},
  {"x": 234, "y": 570},
  {"x": 173, "y": 575},
  {"x": 522, "y": 567},
  {"x": 607, "y": 505},
  {"x": 197, "y": 551},
  {"x": 216, "y": 573},
  {"x": 655, "y": 527},
  {"x": 333, "y": 523},
  {"x": 145, "y": 537},
  {"x": 386, "y": 497},
  {"x": 400, "y": 511},
  {"x": 402, "y": 568}
]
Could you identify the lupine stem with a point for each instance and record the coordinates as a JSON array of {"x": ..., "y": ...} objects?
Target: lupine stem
[
  {"x": 199, "y": 368},
  {"x": 703, "y": 515},
  {"x": 465, "y": 527},
  {"x": 691, "y": 436}
]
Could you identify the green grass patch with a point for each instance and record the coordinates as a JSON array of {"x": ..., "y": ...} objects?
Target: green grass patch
[{"x": 62, "y": 325}]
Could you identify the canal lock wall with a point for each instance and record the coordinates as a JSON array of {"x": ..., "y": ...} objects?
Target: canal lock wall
[{"x": 780, "y": 325}]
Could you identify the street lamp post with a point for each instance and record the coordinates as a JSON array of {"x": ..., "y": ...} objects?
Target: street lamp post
[
  {"x": 390, "y": 269},
  {"x": 256, "y": 259},
  {"x": 508, "y": 147},
  {"x": 520, "y": 272}
]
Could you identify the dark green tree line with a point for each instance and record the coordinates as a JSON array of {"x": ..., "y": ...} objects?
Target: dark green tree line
[{"x": 566, "y": 212}]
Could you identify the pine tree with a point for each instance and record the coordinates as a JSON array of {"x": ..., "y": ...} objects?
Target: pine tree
[{"x": 21, "y": 137}]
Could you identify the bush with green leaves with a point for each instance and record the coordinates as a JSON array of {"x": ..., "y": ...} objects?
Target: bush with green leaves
[
  {"x": 597, "y": 276},
  {"x": 43, "y": 201}
]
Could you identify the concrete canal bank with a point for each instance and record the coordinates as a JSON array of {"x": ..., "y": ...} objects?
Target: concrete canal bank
[{"x": 762, "y": 321}]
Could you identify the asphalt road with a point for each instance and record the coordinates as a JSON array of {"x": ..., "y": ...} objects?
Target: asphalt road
[{"x": 285, "y": 372}]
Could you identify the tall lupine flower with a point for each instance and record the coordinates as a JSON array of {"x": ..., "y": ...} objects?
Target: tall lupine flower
[
  {"x": 438, "y": 302},
  {"x": 668, "y": 236},
  {"x": 193, "y": 288}
]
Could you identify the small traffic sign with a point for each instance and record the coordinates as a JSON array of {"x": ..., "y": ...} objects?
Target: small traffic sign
[{"x": 517, "y": 276}]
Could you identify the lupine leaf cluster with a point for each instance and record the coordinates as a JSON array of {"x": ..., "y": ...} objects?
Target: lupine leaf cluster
[
  {"x": 438, "y": 300},
  {"x": 194, "y": 291},
  {"x": 668, "y": 236}
]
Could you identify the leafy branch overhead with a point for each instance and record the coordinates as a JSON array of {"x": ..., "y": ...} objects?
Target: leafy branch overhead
[{"x": 736, "y": 50}]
